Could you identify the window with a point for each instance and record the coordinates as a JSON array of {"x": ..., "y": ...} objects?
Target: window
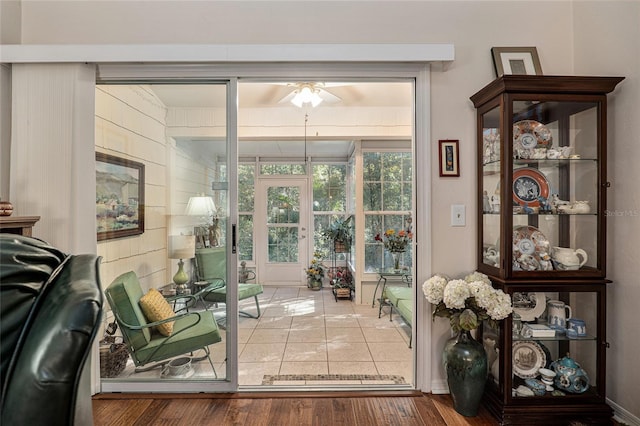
[
  {"x": 282, "y": 169},
  {"x": 246, "y": 195},
  {"x": 386, "y": 203},
  {"x": 329, "y": 201}
]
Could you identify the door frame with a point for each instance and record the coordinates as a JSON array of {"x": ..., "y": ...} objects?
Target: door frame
[{"x": 342, "y": 67}]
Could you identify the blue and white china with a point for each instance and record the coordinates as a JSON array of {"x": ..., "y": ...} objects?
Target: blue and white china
[{"x": 570, "y": 376}]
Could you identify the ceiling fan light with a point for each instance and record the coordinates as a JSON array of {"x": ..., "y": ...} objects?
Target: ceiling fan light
[
  {"x": 315, "y": 99},
  {"x": 306, "y": 95}
]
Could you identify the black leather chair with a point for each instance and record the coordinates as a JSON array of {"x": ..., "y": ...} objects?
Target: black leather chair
[{"x": 50, "y": 310}]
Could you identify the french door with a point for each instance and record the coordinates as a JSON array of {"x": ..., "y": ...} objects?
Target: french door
[{"x": 282, "y": 230}]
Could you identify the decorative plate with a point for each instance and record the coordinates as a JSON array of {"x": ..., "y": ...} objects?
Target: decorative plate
[
  {"x": 530, "y": 250},
  {"x": 529, "y": 135},
  {"x": 528, "y": 186},
  {"x": 529, "y": 305},
  {"x": 528, "y": 358}
]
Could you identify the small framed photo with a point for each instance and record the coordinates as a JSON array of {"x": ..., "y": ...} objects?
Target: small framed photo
[
  {"x": 119, "y": 197},
  {"x": 449, "y": 163},
  {"x": 516, "y": 60}
]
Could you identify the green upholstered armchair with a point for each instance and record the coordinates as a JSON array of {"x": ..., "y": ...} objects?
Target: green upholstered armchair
[
  {"x": 211, "y": 264},
  {"x": 191, "y": 330},
  {"x": 50, "y": 310}
]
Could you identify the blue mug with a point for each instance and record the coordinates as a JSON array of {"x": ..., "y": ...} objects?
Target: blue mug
[{"x": 578, "y": 326}]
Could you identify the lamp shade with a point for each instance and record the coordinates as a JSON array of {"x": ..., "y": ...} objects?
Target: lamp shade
[
  {"x": 182, "y": 246},
  {"x": 200, "y": 206}
]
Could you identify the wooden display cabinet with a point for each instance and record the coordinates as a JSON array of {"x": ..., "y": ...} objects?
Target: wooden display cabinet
[{"x": 542, "y": 143}]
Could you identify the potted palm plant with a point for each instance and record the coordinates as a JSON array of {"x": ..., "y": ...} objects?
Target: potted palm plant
[{"x": 340, "y": 233}]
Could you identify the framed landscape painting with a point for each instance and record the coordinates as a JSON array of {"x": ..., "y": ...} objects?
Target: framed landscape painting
[{"x": 119, "y": 197}]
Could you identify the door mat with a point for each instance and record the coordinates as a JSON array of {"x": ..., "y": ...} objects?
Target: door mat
[{"x": 339, "y": 379}]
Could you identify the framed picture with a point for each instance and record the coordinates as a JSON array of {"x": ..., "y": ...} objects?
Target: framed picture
[
  {"x": 449, "y": 158},
  {"x": 516, "y": 60},
  {"x": 119, "y": 197}
]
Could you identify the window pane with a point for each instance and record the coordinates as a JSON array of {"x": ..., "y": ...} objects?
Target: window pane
[
  {"x": 392, "y": 196},
  {"x": 246, "y": 192},
  {"x": 372, "y": 196},
  {"x": 320, "y": 244},
  {"x": 392, "y": 167},
  {"x": 245, "y": 239},
  {"x": 329, "y": 187},
  {"x": 372, "y": 166},
  {"x": 282, "y": 169},
  {"x": 283, "y": 244},
  {"x": 283, "y": 204}
]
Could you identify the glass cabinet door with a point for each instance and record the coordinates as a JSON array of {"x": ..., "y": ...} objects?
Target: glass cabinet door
[
  {"x": 541, "y": 178},
  {"x": 556, "y": 341},
  {"x": 556, "y": 188}
]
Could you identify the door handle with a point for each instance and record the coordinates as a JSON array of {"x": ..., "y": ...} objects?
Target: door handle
[
  {"x": 302, "y": 237},
  {"x": 303, "y": 229}
]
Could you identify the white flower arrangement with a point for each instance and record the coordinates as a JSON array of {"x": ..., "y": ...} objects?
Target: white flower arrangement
[{"x": 467, "y": 302}]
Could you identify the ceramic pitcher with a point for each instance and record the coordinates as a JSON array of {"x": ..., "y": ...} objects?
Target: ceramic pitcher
[
  {"x": 568, "y": 259},
  {"x": 557, "y": 314}
]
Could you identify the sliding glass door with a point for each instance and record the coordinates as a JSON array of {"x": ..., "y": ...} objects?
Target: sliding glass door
[{"x": 184, "y": 260}]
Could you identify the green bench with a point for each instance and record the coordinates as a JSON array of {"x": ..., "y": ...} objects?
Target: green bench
[{"x": 401, "y": 300}]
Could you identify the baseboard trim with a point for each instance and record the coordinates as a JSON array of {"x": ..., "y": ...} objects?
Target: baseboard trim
[
  {"x": 623, "y": 416},
  {"x": 263, "y": 395},
  {"x": 439, "y": 387}
]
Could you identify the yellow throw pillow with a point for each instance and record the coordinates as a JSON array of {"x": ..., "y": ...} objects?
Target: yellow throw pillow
[{"x": 156, "y": 308}]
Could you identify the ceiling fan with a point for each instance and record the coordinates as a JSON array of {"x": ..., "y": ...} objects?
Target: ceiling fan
[{"x": 310, "y": 93}]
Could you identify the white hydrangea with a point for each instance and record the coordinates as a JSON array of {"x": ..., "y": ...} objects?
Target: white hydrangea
[
  {"x": 451, "y": 297},
  {"x": 500, "y": 306},
  {"x": 433, "y": 289},
  {"x": 455, "y": 294},
  {"x": 477, "y": 276},
  {"x": 481, "y": 291}
]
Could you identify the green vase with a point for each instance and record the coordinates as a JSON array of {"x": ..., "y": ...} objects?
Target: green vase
[
  {"x": 465, "y": 361},
  {"x": 314, "y": 284}
]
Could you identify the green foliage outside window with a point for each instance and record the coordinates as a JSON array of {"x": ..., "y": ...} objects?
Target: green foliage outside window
[
  {"x": 387, "y": 194},
  {"x": 329, "y": 202},
  {"x": 246, "y": 197}
]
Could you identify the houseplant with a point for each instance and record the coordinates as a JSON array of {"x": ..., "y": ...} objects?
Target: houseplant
[
  {"x": 395, "y": 243},
  {"x": 466, "y": 302},
  {"x": 340, "y": 232},
  {"x": 315, "y": 272}
]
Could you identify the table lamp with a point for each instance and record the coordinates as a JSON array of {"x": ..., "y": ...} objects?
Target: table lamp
[
  {"x": 203, "y": 207},
  {"x": 181, "y": 247}
]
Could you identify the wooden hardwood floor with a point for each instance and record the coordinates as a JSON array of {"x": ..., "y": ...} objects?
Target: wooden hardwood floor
[{"x": 281, "y": 409}]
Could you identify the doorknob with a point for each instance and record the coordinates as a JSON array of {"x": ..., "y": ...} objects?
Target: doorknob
[
  {"x": 303, "y": 237},
  {"x": 303, "y": 229}
]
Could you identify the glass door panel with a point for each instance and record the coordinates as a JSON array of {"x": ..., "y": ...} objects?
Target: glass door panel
[
  {"x": 282, "y": 248},
  {"x": 168, "y": 128}
]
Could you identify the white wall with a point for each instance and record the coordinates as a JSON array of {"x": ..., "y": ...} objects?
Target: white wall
[
  {"x": 571, "y": 37},
  {"x": 606, "y": 43},
  {"x": 130, "y": 123}
]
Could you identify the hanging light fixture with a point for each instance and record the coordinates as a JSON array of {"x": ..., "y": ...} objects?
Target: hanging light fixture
[
  {"x": 307, "y": 94},
  {"x": 306, "y": 119}
]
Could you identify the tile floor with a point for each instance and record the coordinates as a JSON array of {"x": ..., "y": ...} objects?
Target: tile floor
[{"x": 305, "y": 337}]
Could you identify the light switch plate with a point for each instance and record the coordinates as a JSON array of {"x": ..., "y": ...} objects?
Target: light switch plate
[{"x": 458, "y": 216}]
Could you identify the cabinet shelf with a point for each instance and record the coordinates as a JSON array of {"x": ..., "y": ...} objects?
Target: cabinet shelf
[{"x": 560, "y": 338}]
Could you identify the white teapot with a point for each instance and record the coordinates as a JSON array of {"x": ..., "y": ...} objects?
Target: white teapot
[{"x": 568, "y": 259}]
